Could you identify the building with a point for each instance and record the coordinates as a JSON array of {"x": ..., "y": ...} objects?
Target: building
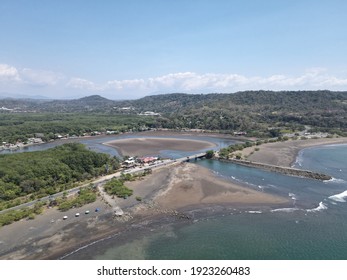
[{"x": 147, "y": 159}]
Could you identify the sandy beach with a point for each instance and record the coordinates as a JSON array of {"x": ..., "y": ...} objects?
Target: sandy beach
[
  {"x": 166, "y": 190},
  {"x": 285, "y": 153},
  {"x": 147, "y": 146}
]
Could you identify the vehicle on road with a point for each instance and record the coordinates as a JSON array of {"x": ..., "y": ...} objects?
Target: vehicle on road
[
  {"x": 65, "y": 217},
  {"x": 77, "y": 214},
  {"x": 87, "y": 212}
]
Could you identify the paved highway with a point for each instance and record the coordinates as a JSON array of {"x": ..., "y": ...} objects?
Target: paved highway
[{"x": 102, "y": 179}]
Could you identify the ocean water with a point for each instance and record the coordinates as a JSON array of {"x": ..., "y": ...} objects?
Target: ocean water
[{"x": 312, "y": 226}]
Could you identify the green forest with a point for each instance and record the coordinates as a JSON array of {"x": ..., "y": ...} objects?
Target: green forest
[
  {"x": 21, "y": 126},
  {"x": 256, "y": 112},
  {"x": 37, "y": 174}
]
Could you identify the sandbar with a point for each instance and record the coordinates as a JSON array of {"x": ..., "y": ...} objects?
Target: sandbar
[
  {"x": 285, "y": 153},
  {"x": 177, "y": 187},
  {"x": 148, "y": 146}
]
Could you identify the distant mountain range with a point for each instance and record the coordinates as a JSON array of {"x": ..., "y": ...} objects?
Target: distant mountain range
[
  {"x": 5, "y": 95},
  {"x": 248, "y": 110},
  {"x": 176, "y": 102}
]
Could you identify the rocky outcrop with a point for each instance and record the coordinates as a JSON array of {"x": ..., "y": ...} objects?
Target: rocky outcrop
[{"x": 281, "y": 169}]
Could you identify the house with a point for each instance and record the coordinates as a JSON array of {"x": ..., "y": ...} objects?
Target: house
[
  {"x": 240, "y": 133},
  {"x": 147, "y": 159},
  {"x": 129, "y": 163},
  {"x": 149, "y": 113}
]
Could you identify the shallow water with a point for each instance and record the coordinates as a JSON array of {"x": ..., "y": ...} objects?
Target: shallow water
[
  {"x": 96, "y": 144},
  {"x": 313, "y": 227}
]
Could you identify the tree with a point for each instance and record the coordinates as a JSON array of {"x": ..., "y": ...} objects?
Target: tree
[
  {"x": 209, "y": 154},
  {"x": 116, "y": 187}
]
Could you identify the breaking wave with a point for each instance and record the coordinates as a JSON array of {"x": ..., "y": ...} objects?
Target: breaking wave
[
  {"x": 288, "y": 210},
  {"x": 320, "y": 207},
  {"x": 340, "y": 197},
  {"x": 254, "y": 212},
  {"x": 335, "y": 180}
]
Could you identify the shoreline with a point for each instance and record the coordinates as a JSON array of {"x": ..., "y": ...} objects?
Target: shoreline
[
  {"x": 161, "y": 204},
  {"x": 155, "y": 133},
  {"x": 164, "y": 199},
  {"x": 147, "y": 146},
  {"x": 285, "y": 153}
]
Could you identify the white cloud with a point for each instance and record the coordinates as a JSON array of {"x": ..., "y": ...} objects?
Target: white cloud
[
  {"x": 13, "y": 76},
  {"x": 40, "y": 77},
  {"x": 314, "y": 78},
  {"x": 29, "y": 80},
  {"x": 125, "y": 84},
  {"x": 8, "y": 73},
  {"x": 79, "y": 83}
]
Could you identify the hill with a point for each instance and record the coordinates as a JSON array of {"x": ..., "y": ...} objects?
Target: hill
[{"x": 256, "y": 112}]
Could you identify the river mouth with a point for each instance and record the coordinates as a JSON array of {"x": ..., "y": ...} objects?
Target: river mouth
[
  {"x": 150, "y": 146},
  {"x": 97, "y": 143}
]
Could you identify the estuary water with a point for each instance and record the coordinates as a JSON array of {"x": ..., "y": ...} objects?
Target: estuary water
[
  {"x": 96, "y": 144},
  {"x": 313, "y": 226}
]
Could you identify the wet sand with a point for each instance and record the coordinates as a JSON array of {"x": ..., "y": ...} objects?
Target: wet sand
[
  {"x": 285, "y": 153},
  {"x": 147, "y": 146},
  {"x": 163, "y": 192},
  {"x": 191, "y": 185},
  {"x": 166, "y": 190}
]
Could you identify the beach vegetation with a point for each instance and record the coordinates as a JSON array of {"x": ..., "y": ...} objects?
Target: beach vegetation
[
  {"x": 116, "y": 187},
  {"x": 84, "y": 196},
  {"x": 15, "y": 215}
]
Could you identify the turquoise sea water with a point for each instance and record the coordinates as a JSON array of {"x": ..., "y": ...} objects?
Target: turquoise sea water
[{"x": 313, "y": 226}]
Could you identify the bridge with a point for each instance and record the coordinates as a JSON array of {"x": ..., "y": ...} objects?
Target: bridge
[{"x": 195, "y": 157}]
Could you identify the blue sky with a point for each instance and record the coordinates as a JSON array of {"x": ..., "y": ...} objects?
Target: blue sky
[{"x": 129, "y": 49}]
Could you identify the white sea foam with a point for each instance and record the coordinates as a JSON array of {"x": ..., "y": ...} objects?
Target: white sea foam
[
  {"x": 335, "y": 145},
  {"x": 288, "y": 210},
  {"x": 340, "y": 197},
  {"x": 334, "y": 180},
  {"x": 292, "y": 195},
  {"x": 299, "y": 159},
  {"x": 254, "y": 212},
  {"x": 272, "y": 186},
  {"x": 320, "y": 207}
]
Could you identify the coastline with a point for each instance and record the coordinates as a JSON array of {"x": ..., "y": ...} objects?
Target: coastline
[
  {"x": 168, "y": 195},
  {"x": 285, "y": 153}
]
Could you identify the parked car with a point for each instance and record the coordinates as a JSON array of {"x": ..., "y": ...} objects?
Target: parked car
[
  {"x": 87, "y": 212},
  {"x": 77, "y": 214},
  {"x": 65, "y": 217}
]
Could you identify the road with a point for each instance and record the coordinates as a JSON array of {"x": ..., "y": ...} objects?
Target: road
[{"x": 105, "y": 178}]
